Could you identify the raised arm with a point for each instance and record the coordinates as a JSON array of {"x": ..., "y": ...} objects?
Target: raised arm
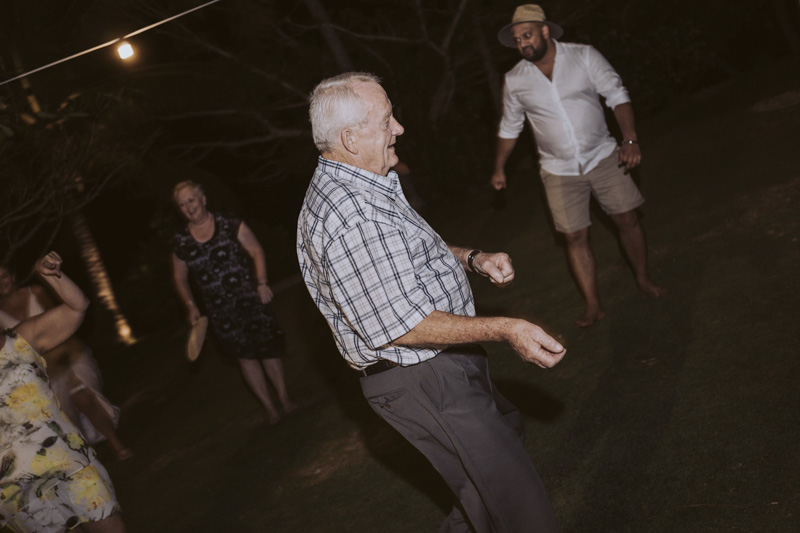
[
  {"x": 250, "y": 243},
  {"x": 46, "y": 331},
  {"x": 42, "y": 296},
  {"x": 504, "y": 149},
  {"x": 529, "y": 340},
  {"x": 180, "y": 276}
]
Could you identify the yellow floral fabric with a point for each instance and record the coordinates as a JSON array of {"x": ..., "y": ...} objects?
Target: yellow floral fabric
[{"x": 50, "y": 479}]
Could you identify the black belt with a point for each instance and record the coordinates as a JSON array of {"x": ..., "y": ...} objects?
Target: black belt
[{"x": 376, "y": 368}]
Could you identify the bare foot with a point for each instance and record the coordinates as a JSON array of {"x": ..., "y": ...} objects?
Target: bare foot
[
  {"x": 590, "y": 316},
  {"x": 289, "y": 406},
  {"x": 651, "y": 290},
  {"x": 273, "y": 418}
]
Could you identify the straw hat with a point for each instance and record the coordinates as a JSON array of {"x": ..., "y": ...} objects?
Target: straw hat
[
  {"x": 527, "y": 13},
  {"x": 196, "y": 337}
]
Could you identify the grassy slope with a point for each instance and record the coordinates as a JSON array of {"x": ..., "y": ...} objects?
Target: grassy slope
[{"x": 678, "y": 415}]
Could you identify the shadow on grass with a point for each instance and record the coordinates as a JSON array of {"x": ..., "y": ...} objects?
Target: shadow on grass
[
  {"x": 530, "y": 401},
  {"x": 614, "y": 440}
]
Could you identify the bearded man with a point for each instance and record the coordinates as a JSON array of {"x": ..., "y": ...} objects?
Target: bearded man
[{"x": 557, "y": 86}]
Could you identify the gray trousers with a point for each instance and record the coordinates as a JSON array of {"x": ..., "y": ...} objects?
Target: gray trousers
[{"x": 448, "y": 408}]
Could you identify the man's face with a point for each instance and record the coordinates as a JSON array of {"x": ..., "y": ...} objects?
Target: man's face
[
  {"x": 531, "y": 41},
  {"x": 376, "y": 138}
]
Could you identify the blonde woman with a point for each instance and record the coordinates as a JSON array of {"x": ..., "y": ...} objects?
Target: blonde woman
[{"x": 228, "y": 266}]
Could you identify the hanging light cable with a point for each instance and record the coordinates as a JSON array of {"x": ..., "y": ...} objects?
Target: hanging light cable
[{"x": 109, "y": 43}]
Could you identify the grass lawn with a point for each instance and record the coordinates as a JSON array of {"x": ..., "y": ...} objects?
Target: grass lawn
[{"x": 678, "y": 415}]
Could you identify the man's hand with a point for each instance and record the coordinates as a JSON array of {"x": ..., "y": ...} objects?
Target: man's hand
[
  {"x": 629, "y": 155},
  {"x": 49, "y": 265},
  {"x": 534, "y": 345},
  {"x": 265, "y": 293},
  {"x": 495, "y": 266},
  {"x": 498, "y": 180}
]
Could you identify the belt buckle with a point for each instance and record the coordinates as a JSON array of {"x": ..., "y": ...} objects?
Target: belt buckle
[{"x": 376, "y": 368}]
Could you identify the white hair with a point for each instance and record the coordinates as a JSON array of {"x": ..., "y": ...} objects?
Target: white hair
[{"x": 334, "y": 105}]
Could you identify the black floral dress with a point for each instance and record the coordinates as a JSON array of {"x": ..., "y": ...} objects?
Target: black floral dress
[{"x": 224, "y": 274}]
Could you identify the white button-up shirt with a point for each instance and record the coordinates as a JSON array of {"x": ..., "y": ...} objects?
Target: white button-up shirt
[{"x": 566, "y": 114}]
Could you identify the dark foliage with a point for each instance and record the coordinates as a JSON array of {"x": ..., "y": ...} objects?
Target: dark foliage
[{"x": 221, "y": 94}]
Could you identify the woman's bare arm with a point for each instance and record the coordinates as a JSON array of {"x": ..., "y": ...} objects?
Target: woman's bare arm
[
  {"x": 180, "y": 276},
  {"x": 250, "y": 243},
  {"x": 56, "y": 325}
]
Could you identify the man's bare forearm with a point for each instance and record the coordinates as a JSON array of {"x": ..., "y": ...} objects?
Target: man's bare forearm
[
  {"x": 627, "y": 123},
  {"x": 444, "y": 329},
  {"x": 504, "y": 149},
  {"x": 440, "y": 330},
  {"x": 462, "y": 254}
]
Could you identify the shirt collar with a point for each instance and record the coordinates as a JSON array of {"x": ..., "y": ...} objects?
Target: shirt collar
[
  {"x": 529, "y": 65},
  {"x": 388, "y": 185}
]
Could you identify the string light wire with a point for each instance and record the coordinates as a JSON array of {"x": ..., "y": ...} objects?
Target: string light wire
[{"x": 109, "y": 43}]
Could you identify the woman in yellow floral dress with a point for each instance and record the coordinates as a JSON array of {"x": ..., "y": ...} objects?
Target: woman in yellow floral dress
[{"x": 50, "y": 479}]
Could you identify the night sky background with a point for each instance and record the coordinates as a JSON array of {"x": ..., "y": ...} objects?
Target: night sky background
[{"x": 219, "y": 96}]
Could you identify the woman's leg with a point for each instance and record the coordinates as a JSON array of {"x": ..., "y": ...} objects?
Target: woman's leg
[
  {"x": 274, "y": 370},
  {"x": 87, "y": 403},
  {"x": 254, "y": 377}
]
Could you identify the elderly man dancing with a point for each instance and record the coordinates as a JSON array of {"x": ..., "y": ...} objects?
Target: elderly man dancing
[{"x": 398, "y": 302}]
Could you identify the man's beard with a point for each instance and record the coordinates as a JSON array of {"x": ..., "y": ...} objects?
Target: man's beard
[{"x": 538, "y": 53}]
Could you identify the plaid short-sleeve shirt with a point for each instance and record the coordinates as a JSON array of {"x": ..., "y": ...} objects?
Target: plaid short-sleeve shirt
[{"x": 373, "y": 266}]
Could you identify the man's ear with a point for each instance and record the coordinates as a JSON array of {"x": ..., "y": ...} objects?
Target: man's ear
[
  {"x": 349, "y": 141},
  {"x": 545, "y": 32}
]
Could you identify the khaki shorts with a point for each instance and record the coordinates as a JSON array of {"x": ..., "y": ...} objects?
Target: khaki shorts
[{"x": 568, "y": 196}]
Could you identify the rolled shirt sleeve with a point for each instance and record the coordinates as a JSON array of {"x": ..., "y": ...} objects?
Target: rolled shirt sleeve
[
  {"x": 513, "y": 119},
  {"x": 605, "y": 79}
]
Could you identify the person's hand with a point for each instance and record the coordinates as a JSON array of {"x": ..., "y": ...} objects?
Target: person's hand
[
  {"x": 193, "y": 315},
  {"x": 495, "y": 266},
  {"x": 498, "y": 180},
  {"x": 534, "y": 345},
  {"x": 629, "y": 155},
  {"x": 49, "y": 265},
  {"x": 265, "y": 293}
]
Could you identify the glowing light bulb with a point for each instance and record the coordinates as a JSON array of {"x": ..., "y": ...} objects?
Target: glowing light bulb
[{"x": 125, "y": 50}]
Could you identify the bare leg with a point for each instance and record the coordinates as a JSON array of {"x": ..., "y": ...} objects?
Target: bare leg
[
  {"x": 112, "y": 524},
  {"x": 634, "y": 244},
  {"x": 581, "y": 260},
  {"x": 87, "y": 403},
  {"x": 274, "y": 370},
  {"x": 257, "y": 382}
]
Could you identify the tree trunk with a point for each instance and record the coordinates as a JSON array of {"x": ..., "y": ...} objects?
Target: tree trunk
[
  {"x": 787, "y": 20},
  {"x": 99, "y": 276},
  {"x": 492, "y": 77},
  {"x": 443, "y": 96},
  {"x": 335, "y": 45}
]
